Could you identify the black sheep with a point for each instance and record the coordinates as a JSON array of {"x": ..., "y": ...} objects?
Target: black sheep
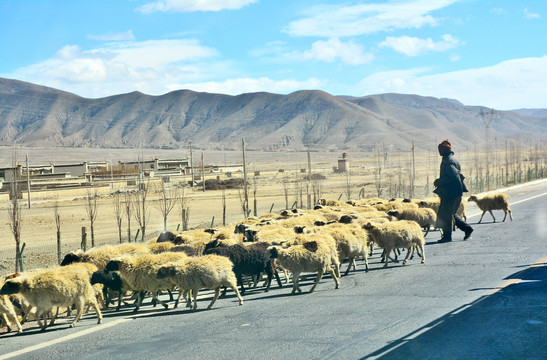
[
  {"x": 111, "y": 281},
  {"x": 248, "y": 260}
]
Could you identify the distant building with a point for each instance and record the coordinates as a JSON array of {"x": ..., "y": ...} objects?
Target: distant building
[{"x": 343, "y": 163}]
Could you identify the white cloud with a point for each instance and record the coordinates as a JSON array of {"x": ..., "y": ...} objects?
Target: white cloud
[
  {"x": 413, "y": 46},
  {"x": 341, "y": 20},
  {"x": 245, "y": 85},
  {"x": 508, "y": 85},
  {"x": 192, "y": 5},
  {"x": 497, "y": 11},
  {"x": 530, "y": 15},
  {"x": 123, "y": 36},
  {"x": 332, "y": 49},
  {"x": 122, "y": 67}
]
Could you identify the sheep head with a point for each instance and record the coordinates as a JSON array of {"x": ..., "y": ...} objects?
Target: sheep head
[
  {"x": 166, "y": 271},
  {"x": 166, "y": 236},
  {"x": 11, "y": 286},
  {"x": 71, "y": 258},
  {"x": 113, "y": 265},
  {"x": 273, "y": 252},
  {"x": 394, "y": 213},
  {"x": 368, "y": 226},
  {"x": 472, "y": 198},
  {"x": 346, "y": 219},
  {"x": 240, "y": 229},
  {"x": 299, "y": 229},
  {"x": 310, "y": 246}
]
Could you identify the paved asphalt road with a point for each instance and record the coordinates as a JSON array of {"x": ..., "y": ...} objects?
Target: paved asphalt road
[{"x": 485, "y": 298}]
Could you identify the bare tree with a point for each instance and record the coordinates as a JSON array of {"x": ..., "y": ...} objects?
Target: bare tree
[
  {"x": 348, "y": 185},
  {"x": 14, "y": 212},
  {"x": 141, "y": 211},
  {"x": 91, "y": 209},
  {"x": 378, "y": 174},
  {"x": 118, "y": 212},
  {"x": 255, "y": 202},
  {"x": 166, "y": 202},
  {"x": 128, "y": 205},
  {"x": 223, "y": 207},
  {"x": 286, "y": 191},
  {"x": 317, "y": 189},
  {"x": 184, "y": 209},
  {"x": 58, "y": 226}
]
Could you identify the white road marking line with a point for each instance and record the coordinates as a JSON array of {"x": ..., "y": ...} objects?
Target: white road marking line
[{"x": 62, "y": 339}]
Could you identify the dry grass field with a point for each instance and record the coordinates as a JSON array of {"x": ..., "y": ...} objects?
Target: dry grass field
[{"x": 39, "y": 231}]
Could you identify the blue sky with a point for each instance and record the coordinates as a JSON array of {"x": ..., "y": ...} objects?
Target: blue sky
[{"x": 491, "y": 53}]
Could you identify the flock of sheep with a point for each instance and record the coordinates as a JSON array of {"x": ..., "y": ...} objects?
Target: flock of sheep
[{"x": 295, "y": 241}]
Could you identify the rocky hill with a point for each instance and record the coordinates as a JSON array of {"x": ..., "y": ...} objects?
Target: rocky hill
[{"x": 39, "y": 116}]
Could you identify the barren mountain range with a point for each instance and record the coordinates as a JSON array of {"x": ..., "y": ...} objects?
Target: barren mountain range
[{"x": 35, "y": 115}]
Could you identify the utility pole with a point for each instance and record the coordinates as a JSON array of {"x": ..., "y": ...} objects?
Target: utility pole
[
  {"x": 202, "y": 171},
  {"x": 191, "y": 165},
  {"x": 413, "y": 172},
  {"x": 309, "y": 179},
  {"x": 245, "y": 179},
  {"x": 28, "y": 182}
]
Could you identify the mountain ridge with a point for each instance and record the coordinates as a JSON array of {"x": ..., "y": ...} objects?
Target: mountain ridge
[{"x": 35, "y": 115}]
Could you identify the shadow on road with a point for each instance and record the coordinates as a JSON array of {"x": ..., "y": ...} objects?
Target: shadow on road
[{"x": 510, "y": 323}]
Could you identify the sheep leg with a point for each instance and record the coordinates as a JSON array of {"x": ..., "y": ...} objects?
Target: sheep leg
[
  {"x": 195, "y": 295},
  {"x": 140, "y": 297},
  {"x": 407, "y": 254},
  {"x": 163, "y": 303},
  {"x": 336, "y": 279},
  {"x": 217, "y": 293},
  {"x": 95, "y": 305},
  {"x": 483, "y": 212},
  {"x": 178, "y": 299},
  {"x": 319, "y": 276},
  {"x": 41, "y": 317},
  {"x": 171, "y": 298},
  {"x": 79, "y": 310},
  {"x": 189, "y": 299},
  {"x": 422, "y": 247},
  {"x": 119, "y": 301},
  {"x": 53, "y": 317},
  {"x": 510, "y": 214},
  {"x": 426, "y": 228},
  {"x": 240, "y": 282},
  {"x": 490, "y": 211},
  {"x": 351, "y": 261},
  {"x": 336, "y": 264},
  {"x": 269, "y": 276},
  {"x": 276, "y": 273},
  {"x": 11, "y": 315},
  {"x": 386, "y": 252},
  {"x": 295, "y": 287}
]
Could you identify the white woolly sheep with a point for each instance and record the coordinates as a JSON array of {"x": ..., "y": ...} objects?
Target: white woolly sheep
[
  {"x": 100, "y": 256},
  {"x": 498, "y": 201},
  {"x": 351, "y": 242},
  {"x": 434, "y": 203},
  {"x": 310, "y": 256},
  {"x": 325, "y": 239},
  {"x": 397, "y": 234},
  {"x": 425, "y": 217},
  {"x": 57, "y": 287},
  {"x": 193, "y": 274},
  {"x": 330, "y": 202},
  {"x": 139, "y": 271}
]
